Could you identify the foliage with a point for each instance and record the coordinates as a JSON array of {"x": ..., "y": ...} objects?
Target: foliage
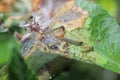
[
  {"x": 12, "y": 65},
  {"x": 111, "y": 7},
  {"x": 100, "y": 35},
  {"x": 105, "y": 34}
]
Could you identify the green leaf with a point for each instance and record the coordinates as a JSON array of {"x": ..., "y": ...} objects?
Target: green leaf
[
  {"x": 5, "y": 47},
  {"x": 18, "y": 69},
  {"x": 3, "y": 17},
  {"x": 9, "y": 53},
  {"x": 104, "y": 36},
  {"x": 100, "y": 35}
]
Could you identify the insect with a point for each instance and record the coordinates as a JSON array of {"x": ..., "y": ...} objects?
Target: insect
[{"x": 59, "y": 33}]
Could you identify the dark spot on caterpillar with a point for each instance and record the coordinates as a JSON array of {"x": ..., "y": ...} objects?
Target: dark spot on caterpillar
[
  {"x": 63, "y": 27},
  {"x": 80, "y": 43},
  {"x": 31, "y": 17}
]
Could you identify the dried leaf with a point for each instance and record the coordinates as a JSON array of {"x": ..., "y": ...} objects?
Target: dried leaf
[
  {"x": 35, "y": 4},
  {"x": 63, "y": 9},
  {"x": 70, "y": 16},
  {"x": 5, "y": 5}
]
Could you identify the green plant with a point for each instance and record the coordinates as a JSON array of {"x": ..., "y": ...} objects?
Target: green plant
[{"x": 100, "y": 36}]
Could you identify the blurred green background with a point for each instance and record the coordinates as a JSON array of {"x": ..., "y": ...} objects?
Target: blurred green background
[
  {"x": 112, "y": 6},
  {"x": 84, "y": 71},
  {"x": 109, "y": 5}
]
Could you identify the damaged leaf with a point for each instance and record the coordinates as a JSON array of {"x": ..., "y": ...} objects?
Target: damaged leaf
[
  {"x": 93, "y": 27},
  {"x": 70, "y": 16}
]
